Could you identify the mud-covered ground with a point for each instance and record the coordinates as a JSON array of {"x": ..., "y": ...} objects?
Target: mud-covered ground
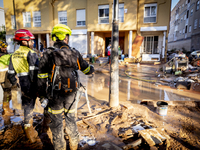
[
  {"x": 109, "y": 128},
  {"x": 114, "y": 128}
]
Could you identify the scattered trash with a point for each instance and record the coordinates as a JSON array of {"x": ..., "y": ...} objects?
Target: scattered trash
[
  {"x": 162, "y": 108},
  {"x": 137, "y": 128},
  {"x": 16, "y": 120},
  {"x": 87, "y": 140}
]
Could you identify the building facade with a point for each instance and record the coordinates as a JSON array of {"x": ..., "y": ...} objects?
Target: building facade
[
  {"x": 91, "y": 23},
  {"x": 184, "y": 31}
]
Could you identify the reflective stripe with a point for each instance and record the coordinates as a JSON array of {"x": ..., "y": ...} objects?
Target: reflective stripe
[
  {"x": 22, "y": 74},
  {"x": 55, "y": 111},
  {"x": 33, "y": 68},
  {"x": 86, "y": 70},
  {"x": 43, "y": 75},
  {"x": 69, "y": 111},
  {"x": 11, "y": 71},
  {"x": 79, "y": 67},
  {"x": 5, "y": 69}
]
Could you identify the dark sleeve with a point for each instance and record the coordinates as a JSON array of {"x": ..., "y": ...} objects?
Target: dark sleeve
[
  {"x": 84, "y": 66},
  {"x": 11, "y": 73},
  {"x": 33, "y": 62},
  {"x": 43, "y": 75}
]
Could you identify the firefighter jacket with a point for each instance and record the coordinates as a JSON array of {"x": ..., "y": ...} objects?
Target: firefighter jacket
[
  {"x": 24, "y": 64},
  {"x": 57, "y": 56}
]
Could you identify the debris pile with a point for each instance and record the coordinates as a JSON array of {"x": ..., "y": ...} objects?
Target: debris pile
[{"x": 188, "y": 73}]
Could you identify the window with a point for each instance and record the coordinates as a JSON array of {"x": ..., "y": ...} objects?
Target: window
[
  {"x": 186, "y": 2},
  {"x": 62, "y": 17},
  {"x": 121, "y": 12},
  {"x": 27, "y": 19},
  {"x": 151, "y": 45},
  {"x": 195, "y": 23},
  {"x": 181, "y": 19},
  {"x": 199, "y": 23},
  {"x": 13, "y": 21},
  {"x": 187, "y": 14},
  {"x": 80, "y": 17},
  {"x": 183, "y": 31},
  {"x": 184, "y": 17},
  {"x": 103, "y": 14},
  {"x": 182, "y": 6},
  {"x": 179, "y": 8},
  {"x": 190, "y": 28},
  {"x": 191, "y": 12},
  {"x": 150, "y": 12},
  {"x": 36, "y": 19},
  {"x": 197, "y": 5},
  {"x": 180, "y": 31}
]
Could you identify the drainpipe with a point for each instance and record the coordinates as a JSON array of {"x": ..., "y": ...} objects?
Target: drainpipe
[
  {"x": 14, "y": 14},
  {"x": 52, "y": 4}
]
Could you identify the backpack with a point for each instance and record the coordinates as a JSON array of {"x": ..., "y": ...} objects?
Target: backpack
[{"x": 64, "y": 76}]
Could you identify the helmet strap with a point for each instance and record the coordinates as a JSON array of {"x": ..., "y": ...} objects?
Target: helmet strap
[{"x": 28, "y": 44}]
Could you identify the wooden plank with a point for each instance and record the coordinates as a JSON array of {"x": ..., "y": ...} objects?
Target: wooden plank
[{"x": 152, "y": 136}]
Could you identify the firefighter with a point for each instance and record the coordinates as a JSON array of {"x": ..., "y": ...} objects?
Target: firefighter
[
  {"x": 24, "y": 64},
  {"x": 3, "y": 48},
  {"x": 59, "y": 68},
  {"x": 6, "y": 86}
]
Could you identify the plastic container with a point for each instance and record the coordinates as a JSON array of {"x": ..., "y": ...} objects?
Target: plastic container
[{"x": 162, "y": 108}]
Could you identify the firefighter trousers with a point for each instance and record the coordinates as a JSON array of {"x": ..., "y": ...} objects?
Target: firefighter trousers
[
  {"x": 59, "y": 104},
  {"x": 28, "y": 104}
]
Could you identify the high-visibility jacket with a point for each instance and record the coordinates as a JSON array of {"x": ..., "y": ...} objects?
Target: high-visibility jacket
[
  {"x": 47, "y": 62},
  {"x": 23, "y": 63},
  {"x": 4, "y": 61}
]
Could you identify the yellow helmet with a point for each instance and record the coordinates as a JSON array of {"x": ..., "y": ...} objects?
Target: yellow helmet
[
  {"x": 3, "y": 44},
  {"x": 60, "y": 31}
]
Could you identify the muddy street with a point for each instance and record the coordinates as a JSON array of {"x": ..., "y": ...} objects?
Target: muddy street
[{"x": 119, "y": 128}]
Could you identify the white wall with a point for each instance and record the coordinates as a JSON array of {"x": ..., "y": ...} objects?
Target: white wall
[
  {"x": 2, "y": 16},
  {"x": 10, "y": 47}
]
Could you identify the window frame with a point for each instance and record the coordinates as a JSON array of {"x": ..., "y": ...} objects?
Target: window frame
[
  {"x": 121, "y": 5},
  {"x": 104, "y": 17},
  {"x": 195, "y": 23},
  {"x": 150, "y": 5},
  {"x": 198, "y": 4},
  {"x": 191, "y": 12},
  {"x": 60, "y": 13},
  {"x": 190, "y": 29},
  {"x": 35, "y": 20},
  {"x": 26, "y": 19},
  {"x": 80, "y": 20}
]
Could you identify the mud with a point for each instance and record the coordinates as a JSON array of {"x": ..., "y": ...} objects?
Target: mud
[{"x": 113, "y": 128}]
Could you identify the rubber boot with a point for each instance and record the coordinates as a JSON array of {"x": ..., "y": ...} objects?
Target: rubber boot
[
  {"x": 6, "y": 109},
  {"x": 7, "y": 113},
  {"x": 30, "y": 132},
  {"x": 73, "y": 143}
]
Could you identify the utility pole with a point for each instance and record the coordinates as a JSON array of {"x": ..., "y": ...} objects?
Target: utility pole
[{"x": 114, "y": 67}]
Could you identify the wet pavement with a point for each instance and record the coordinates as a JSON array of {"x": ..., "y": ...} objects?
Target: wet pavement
[{"x": 135, "y": 88}]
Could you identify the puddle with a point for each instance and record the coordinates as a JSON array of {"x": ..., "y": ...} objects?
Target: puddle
[{"x": 134, "y": 90}]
